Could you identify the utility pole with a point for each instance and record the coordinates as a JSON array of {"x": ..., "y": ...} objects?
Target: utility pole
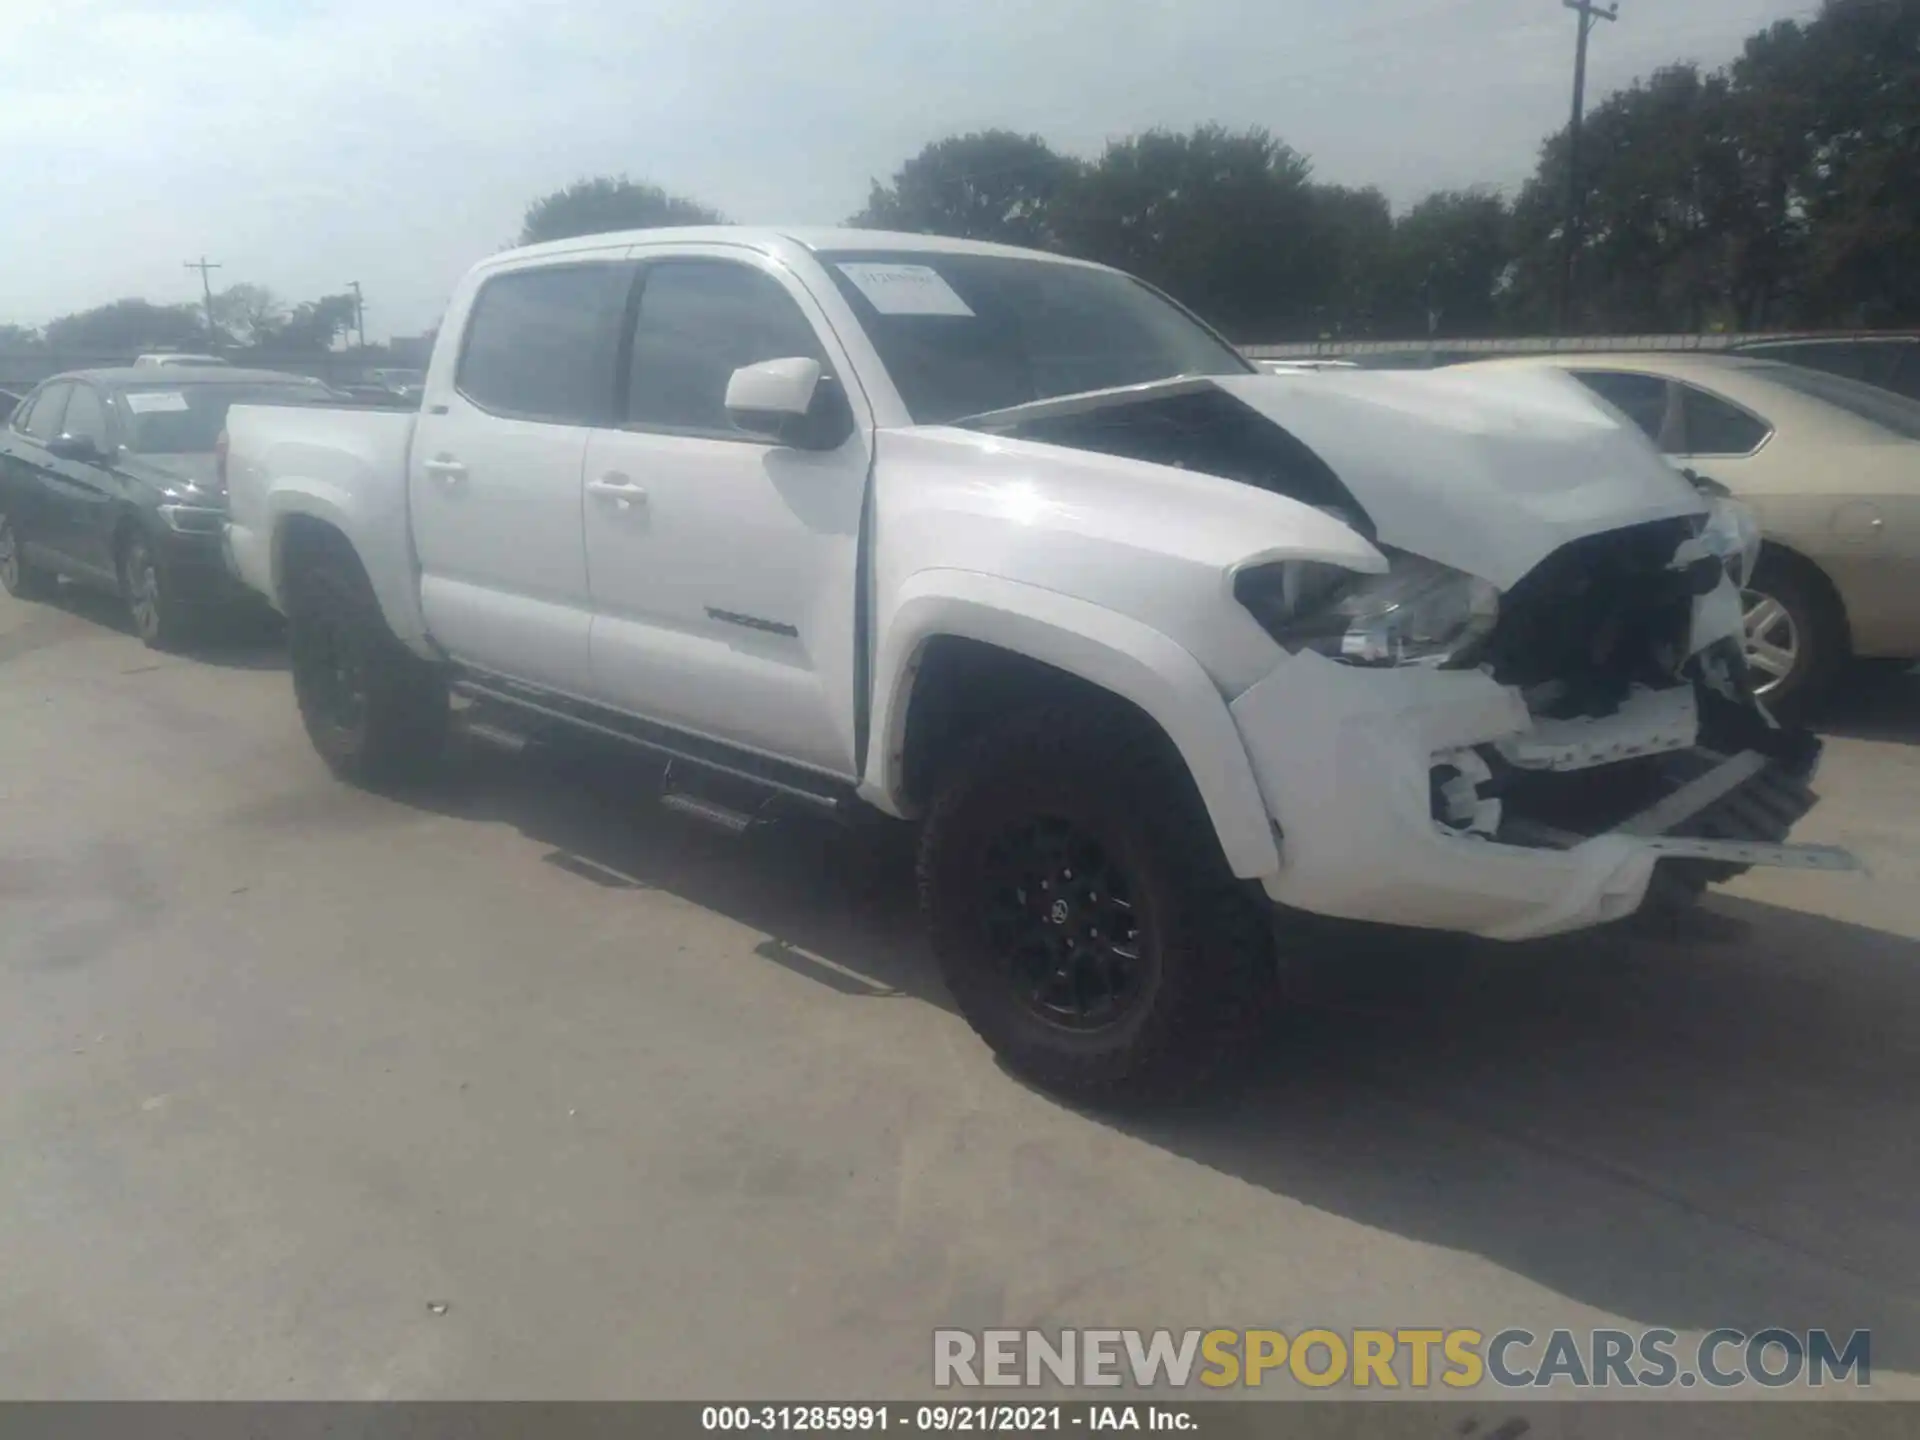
[
  {"x": 206, "y": 287},
  {"x": 1588, "y": 13},
  {"x": 359, "y": 312}
]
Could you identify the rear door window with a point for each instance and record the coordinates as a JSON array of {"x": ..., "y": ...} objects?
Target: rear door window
[
  {"x": 1713, "y": 426},
  {"x": 1643, "y": 399},
  {"x": 540, "y": 344}
]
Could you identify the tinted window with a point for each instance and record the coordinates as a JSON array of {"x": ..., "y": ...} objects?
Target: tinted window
[
  {"x": 86, "y": 417},
  {"x": 1894, "y": 413},
  {"x": 163, "y": 419},
  {"x": 963, "y": 334},
  {"x": 699, "y": 321},
  {"x": 1642, "y": 398},
  {"x": 1716, "y": 428},
  {"x": 540, "y": 343},
  {"x": 45, "y": 412}
]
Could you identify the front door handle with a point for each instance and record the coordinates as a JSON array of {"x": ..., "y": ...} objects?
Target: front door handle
[{"x": 618, "y": 488}]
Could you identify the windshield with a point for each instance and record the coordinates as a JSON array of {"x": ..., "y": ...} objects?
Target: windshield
[
  {"x": 962, "y": 334},
  {"x": 1859, "y": 399},
  {"x": 160, "y": 419}
]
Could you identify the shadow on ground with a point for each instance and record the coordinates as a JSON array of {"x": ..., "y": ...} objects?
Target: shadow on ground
[
  {"x": 1711, "y": 1127},
  {"x": 1877, "y": 702},
  {"x": 241, "y": 638}
]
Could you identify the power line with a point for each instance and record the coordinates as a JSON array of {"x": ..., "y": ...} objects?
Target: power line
[
  {"x": 203, "y": 265},
  {"x": 1588, "y": 13}
]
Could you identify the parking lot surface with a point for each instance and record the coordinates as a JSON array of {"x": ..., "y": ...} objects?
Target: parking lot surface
[{"x": 522, "y": 1087}]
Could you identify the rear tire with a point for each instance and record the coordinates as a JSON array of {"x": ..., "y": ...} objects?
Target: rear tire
[
  {"x": 1083, "y": 915},
  {"x": 375, "y": 712},
  {"x": 23, "y": 579},
  {"x": 1796, "y": 636}
]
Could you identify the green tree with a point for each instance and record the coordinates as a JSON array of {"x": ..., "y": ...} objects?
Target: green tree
[
  {"x": 1850, "y": 81},
  {"x": 251, "y": 314},
  {"x": 1221, "y": 219},
  {"x": 1450, "y": 254},
  {"x": 14, "y": 338},
  {"x": 126, "y": 326},
  {"x": 1351, "y": 244},
  {"x": 990, "y": 185},
  {"x": 314, "y": 325},
  {"x": 605, "y": 203}
]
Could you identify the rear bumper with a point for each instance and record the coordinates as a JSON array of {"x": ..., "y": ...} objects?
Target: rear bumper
[{"x": 1348, "y": 760}]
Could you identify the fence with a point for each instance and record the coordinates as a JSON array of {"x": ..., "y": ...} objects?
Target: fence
[{"x": 21, "y": 370}]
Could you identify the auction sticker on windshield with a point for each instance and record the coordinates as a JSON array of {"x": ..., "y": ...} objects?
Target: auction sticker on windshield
[
  {"x": 151, "y": 402},
  {"x": 905, "y": 289}
]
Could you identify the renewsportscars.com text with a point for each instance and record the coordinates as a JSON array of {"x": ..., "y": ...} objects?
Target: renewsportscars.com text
[{"x": 1415, "y": 1359}]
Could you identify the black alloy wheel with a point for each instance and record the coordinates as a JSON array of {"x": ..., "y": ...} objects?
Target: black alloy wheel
[{"x": 1060, "y": 912}]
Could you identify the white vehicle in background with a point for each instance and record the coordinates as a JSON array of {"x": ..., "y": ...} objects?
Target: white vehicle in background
[
  {"x": 1158, "y": 651},
  {"x": 1831, "y": 469},
  {"x": 1296, "y": 367},
  {"x": 176, "y": 357}
]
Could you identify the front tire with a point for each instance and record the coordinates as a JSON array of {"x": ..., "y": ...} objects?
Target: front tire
[
  {"x": 22, "y": 578},
  {"x": 376, "y": 713},
  {"x": 1082, "y": 913}
]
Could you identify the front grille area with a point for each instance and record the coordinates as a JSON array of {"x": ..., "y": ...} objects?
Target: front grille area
[{"x": 1598, "y": 616}]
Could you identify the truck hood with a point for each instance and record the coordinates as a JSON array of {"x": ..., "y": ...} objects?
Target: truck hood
[{"x": 1488, "y": 472}]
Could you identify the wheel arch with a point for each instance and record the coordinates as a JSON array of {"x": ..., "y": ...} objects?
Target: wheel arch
[
  {"x": 1811, "y": 569},
  {"x": 306, "y": 523},
  {"x": 951, "y": 629}
]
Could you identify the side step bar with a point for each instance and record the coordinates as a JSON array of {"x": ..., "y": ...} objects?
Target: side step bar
[{"x": 737, "y": 768}]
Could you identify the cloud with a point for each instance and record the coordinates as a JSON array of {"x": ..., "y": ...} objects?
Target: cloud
[{"x": 306, "y": 143}]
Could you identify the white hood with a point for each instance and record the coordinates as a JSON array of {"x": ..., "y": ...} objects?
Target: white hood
[{"x": 1486, "y": 471}]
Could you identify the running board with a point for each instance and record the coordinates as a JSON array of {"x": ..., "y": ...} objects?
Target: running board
[
  {"x": 1745, "y": 852},
  {"x": 707, "y": 812},
  {"x": 766, "y": 776}
]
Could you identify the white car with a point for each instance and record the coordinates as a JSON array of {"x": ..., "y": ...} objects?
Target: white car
[
  {"x": 176, "y": 357},
  {"x": 1829, "y": 466},
  {"x": 1156, "y": 650}
]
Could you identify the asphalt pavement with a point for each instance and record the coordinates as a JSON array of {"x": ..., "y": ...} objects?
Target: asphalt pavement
[{"x": 523, "y": 1087}]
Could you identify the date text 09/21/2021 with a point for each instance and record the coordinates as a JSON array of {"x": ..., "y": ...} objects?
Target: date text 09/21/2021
[{"x": 961, "y": 1418}]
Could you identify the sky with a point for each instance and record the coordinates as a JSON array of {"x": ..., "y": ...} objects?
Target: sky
[{"x": 302, "y": 144}]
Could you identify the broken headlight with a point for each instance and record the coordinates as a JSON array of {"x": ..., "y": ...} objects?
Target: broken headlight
[{"x": 1419, "y": 612}]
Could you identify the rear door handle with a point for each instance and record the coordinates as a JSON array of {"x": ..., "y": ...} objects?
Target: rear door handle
[{"x": 446, "y": 470}]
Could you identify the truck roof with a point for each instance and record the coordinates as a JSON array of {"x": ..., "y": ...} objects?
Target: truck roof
[{"x": 774, "y": 239}]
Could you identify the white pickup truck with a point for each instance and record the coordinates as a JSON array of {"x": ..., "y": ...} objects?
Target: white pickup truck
[{"x": 1159, "y": 650}]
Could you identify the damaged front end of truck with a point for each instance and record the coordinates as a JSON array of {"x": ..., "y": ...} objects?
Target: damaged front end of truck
[{"x": 1537, "y": 712}]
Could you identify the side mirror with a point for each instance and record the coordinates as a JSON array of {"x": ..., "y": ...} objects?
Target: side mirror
[
  {"x": 789, "y": 402},
  {"x": 74, "y": 447}
]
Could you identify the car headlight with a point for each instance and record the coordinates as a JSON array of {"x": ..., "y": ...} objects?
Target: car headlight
[
  {"x": 193, "y": 519},
  {"x": 1732, "y": 534},
  {"x": 1419, "y": 612}
]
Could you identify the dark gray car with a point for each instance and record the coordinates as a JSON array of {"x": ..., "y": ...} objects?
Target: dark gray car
[{"x": 110, "y": 478}]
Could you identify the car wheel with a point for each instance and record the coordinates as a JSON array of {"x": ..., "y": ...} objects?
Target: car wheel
[
  {"x": 375, "y": 712},
  {"x": 21, "y": 577},
  {"x": 1796, "y": 635},
  {"x": 157, "y": 615},
  {"x": 1082, "y": 913}
]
